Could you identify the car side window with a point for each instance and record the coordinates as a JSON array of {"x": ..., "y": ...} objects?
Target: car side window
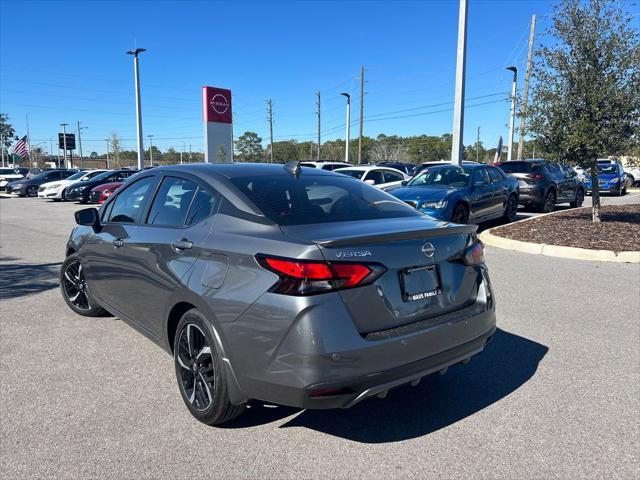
[
  {"x": 554, "y": 169},
  {"x": 376, "y": 176},
  {"x": 172, "y": 202},
  {"x": 495, "y": 174},
  {"x": 204, "y": 204},
  {"x": 129, "y": 202},
  {"x": 480, "y": 176},
  {"x": 391, "y": 176}
]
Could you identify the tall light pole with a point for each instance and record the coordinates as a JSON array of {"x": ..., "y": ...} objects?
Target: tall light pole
[
  {"x": 136, "y": 73},
  {"x": 107, "y": 140},
  {"x": 80, "y": 142},
  {"x": 512, "y": 118},
  {"x": 150, "y": 150},
  {"x": 64, "y": 143},
  {"x": 346, "y": 146},
  {"x": 525, "y": 93},
  {"x": 457, "y": 152}
]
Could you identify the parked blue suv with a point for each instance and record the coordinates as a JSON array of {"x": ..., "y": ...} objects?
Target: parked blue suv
[
  {"x": 611, "y": 178},
  {"x": 472, "y": 193}
]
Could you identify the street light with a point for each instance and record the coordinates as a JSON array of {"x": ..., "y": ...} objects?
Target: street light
[
  {"x": 136, "y": 74},
  {"x": 346, "y": 150},
  {"x": 512, "y": 118},
  {"x": 107, "y": 141},
  {"x": 80, "y": 142},
  {"x": 150, "y": 150}
]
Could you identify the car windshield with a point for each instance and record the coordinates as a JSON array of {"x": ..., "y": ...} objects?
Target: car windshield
[
  {"x": 608, "y": 169},
  {"x": 441, "y": 177},
  {"x": 77, "y": 175},
  {"x": 352, "y": 173},
  {"x": 287, "y": 200},
  {"x": 103, "y": 175},
  {"x": 7, "y": 171}
]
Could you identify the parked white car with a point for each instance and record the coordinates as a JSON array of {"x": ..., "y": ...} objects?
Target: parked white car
[
  {"x": 325, "y": 164},
  {"x": 381, "y": 177},
  {"x": 8, "y": 175},
  {"x": 55, "y": 190}
]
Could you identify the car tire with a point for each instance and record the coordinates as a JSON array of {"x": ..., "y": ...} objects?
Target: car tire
[
  {"x": 32, "y": 191},
  {"x": 549, "y": 202},
  {"x": 579, "y": 198},
  {"x": 623, "y": 189},
  {"x": 200, "y": 372},
  {"x": 629, "y": 180},
  {"x": 511, "y": 209},
  {"x": 75, "y": 290},
  {"x": 460, "y": 214}
]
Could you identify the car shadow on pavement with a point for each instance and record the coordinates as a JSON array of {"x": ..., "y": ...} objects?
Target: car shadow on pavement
[
  {"x": 21, "y": 279},
  {"x": 407, "y": 412}
]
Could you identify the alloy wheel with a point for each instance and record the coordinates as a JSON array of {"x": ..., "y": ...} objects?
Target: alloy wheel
[
  {"x": 32, "y": 191},
  {"x": 549, "y": 202},
  {"x": 579, "y": 198},
  {"x": 459, "y": 215},
  {"x": 512, "y": 209},
  {"x": 75, "y": 286},
  {"x": 196, "y": 367}
]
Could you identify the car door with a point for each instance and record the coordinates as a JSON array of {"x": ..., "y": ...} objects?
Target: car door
[
  {"x": 568, "y": 183},
  {"x": 112, "y": 268},
  {"x": 168, "y": 242},
  {"x": 481, "y": 196},
  {"x": 500, "y": 191}
]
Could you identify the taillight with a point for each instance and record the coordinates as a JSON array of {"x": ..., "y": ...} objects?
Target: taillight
[
  {"x": 308, "y": 277},
  {"x": 474, "y": 255},
  {"x": 535, "y": 176}
]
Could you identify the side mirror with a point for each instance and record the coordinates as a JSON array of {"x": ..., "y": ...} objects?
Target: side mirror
[
  {"x": 88, "y": 217},
  {"x": 404, "y": 182},
  {"x": 369, "y": 182}
]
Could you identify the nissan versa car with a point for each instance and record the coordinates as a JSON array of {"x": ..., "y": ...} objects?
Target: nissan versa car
[
  {"x": 288, "y": 285},
  {"x": 471, "y": 193},
  {"x": 80, "y": 192},
  {"x": 56, "y": 190}
]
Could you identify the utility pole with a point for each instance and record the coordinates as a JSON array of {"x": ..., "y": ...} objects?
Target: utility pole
[
  {"x": 2, "y": 144},
  {"x": 64, "y": 143},
  {"x": 107, "y": 140},
  {"x": 458, "y": 109},
  {"x": 361, "y": 112},
  {"x": 136, "y": 73},
  {"x": 512, "y": 119},
  {"x": 346, "y": 145},
  {"x": 270, "y": 112},
  {"x": 318, "y": 104},
  {"x": 478, "y": 146},
  {"x": 525, "y": 93},
  {"x": 190, "y": 160},
  {"x": 80, "y": 143},
  {"x": 150, "y": 149},
  {"x": 50, "y": 147},
  {"x": 182, "y": 153}
]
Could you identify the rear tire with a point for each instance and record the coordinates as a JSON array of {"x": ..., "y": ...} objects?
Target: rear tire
[
  {"x": 511, "y": 209},
  {"x": 75, "y": 290},
  {"x": 200, "y": 371},
  {"x": 460, "y": 214},
  {"x": 579, "y": 199},
  {"x": 32, "y": 191},
  {"x": 549, "y": 202}
]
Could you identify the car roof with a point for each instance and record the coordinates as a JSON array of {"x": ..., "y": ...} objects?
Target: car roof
[
  {"x": 236, "y": 170},
  {"x": 466, "y": 165},
  {"x": 364, "y": 168}
]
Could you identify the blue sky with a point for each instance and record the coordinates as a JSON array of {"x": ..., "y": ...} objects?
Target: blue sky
[{"x": 66, "y": 62}]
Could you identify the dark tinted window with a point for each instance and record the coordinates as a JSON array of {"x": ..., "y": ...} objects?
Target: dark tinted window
[
  {"x": 391, "y": 176},
  {"x": 171, "y": 203},
  {"x": 521, "y": 167},
  {"x": 310, "y": 165},
  {"x": 129, "y": 202},
  {"x": 495, "y": 174},
  {"x": 480, "y": 176},
  {"x": 204, "y": 205},
  {"x": 375, "y": 175},
  {"x": 554, "y": 169},
  {"x": 319, "y": 199}
]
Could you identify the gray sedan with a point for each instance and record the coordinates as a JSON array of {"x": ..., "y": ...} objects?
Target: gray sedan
[{"x": 283, "y": 284}]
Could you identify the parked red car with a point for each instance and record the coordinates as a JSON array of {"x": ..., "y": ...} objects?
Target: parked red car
[{"x": 100, "y": 193}]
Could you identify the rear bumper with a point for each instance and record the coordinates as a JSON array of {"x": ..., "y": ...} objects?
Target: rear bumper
[
  {"x": 321, "y": 361},
  {"x": 531, "y": 197}
]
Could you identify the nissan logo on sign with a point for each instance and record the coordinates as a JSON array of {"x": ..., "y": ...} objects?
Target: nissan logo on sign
[{"x": 219, "y": 103}]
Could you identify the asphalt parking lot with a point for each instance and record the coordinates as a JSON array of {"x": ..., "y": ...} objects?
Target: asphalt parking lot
[{"x": 556, "y": 394}]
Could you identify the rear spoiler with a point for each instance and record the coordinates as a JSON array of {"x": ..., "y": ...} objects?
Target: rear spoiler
[{"x": 395, "y": 236}]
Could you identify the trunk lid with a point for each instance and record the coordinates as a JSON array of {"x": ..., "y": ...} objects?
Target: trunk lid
[{"x": 424, "y": 275}]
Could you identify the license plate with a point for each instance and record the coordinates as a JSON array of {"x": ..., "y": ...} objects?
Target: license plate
[{"x": 419, "y": 283}]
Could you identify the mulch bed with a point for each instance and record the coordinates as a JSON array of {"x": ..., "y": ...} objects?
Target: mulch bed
[{"x": 619, "y": 230}]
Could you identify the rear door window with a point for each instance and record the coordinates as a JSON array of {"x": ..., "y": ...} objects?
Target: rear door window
[
  {"x": 128, "y": 205},
  {"x": 172, "y": 202},
  {"x": 391, "y": 176},
  {"x": 205, "y": 204}
]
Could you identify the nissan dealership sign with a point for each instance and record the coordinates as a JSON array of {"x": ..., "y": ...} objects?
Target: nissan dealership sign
[{"x": 218, "y": 128}]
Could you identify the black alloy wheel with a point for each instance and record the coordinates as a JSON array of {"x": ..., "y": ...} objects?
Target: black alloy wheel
[
  {"x": 32, "y": 191},
  {"x": 579, "y": 198},
  {"x": 197, "y": 379},
  {"x": 460, "y": 214},
  {"x": 511, "y": 210},
  {"x": 75, "y": 290},
  {"x": 549, "y": 202}
]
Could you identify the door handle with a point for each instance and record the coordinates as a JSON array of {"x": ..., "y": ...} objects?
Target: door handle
[
  {"x": 118, "y": 243},
  {"x": 181, "y": 245}
]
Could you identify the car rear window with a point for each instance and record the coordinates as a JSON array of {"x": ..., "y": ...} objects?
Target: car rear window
[
  {"x": 520, "y": 167},
  {"x": 287, "y": 200}
]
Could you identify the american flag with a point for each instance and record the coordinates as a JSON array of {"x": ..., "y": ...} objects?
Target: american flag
[{"x": 20, "y": 148}]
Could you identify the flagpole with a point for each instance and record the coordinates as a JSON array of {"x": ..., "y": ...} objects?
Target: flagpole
[
  {"x": 29, "y": 142},
  {"x": 2, "y": 142}
]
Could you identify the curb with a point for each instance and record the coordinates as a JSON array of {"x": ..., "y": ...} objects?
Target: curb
[{"x": 573, "y": 253}]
